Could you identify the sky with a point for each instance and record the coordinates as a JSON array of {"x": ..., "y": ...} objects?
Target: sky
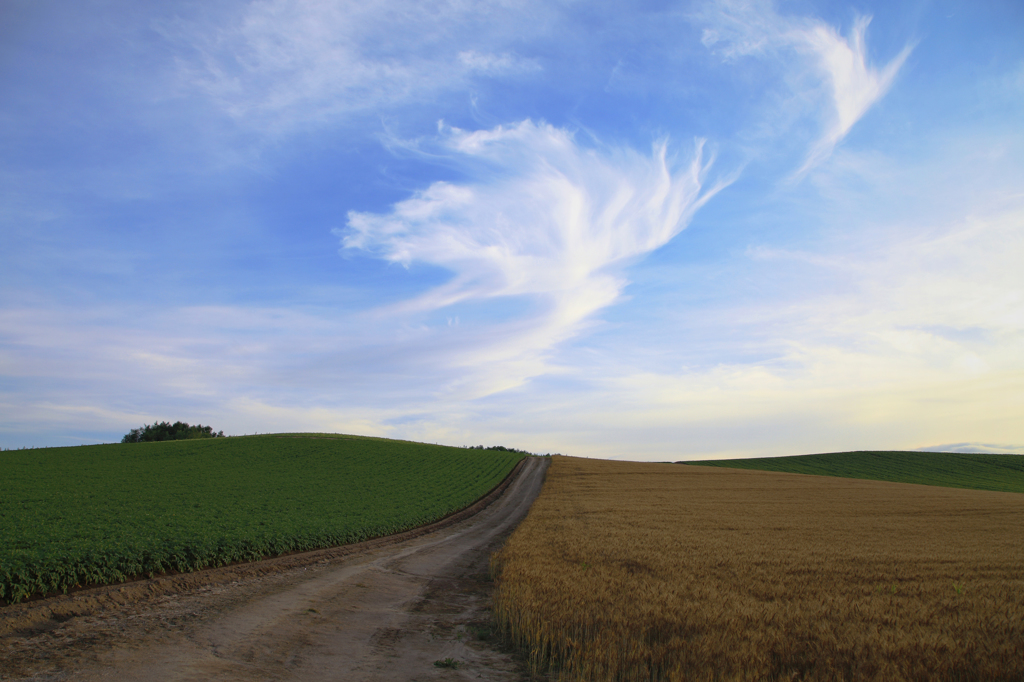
[{"x": 648, "y": 230}]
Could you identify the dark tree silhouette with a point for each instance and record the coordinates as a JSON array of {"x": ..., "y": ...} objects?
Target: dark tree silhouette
[{"x": 167, "y": 431}]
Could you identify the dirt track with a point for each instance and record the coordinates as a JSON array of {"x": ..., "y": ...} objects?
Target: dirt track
[{"x": 384, "y": 610}]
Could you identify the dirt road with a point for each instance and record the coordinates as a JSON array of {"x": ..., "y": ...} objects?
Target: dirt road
[{"x": 379, "y": 613}]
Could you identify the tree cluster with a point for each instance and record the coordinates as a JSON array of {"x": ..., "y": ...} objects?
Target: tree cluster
[
  {"x": 167, "y": 431},
  {"x": 498, "y": 447}
]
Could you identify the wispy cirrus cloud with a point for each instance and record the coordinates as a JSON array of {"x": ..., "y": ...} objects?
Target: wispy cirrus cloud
[
  {"x": 855, "y": 85},
  {"x": 542, "y": 217},
  {"x": 497, "y": 64},
  {"x": 282, "y": 64},
  {"x": 737, "y": 28},
  {"x": 895, "y": 347}
]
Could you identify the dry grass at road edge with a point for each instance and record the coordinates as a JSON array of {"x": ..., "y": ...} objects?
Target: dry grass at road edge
[{"x": 628, "y": 571}]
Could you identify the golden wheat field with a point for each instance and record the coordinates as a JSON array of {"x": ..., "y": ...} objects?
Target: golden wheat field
[{"x": 628, "y": 571}]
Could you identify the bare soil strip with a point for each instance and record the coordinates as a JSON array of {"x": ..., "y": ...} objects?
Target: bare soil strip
[{"x": 383, "y": 610}]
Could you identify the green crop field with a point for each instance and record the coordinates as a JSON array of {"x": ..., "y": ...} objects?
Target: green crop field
[
  {"x": 948, "y": 469},
  {"x": 104, "y": 513}
]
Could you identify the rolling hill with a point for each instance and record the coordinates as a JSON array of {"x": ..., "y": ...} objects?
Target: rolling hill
[{"x": 949, "y": 469}]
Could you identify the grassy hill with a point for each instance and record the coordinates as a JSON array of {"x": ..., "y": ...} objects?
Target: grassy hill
[
  {"x": 949, "y": 469},
  {"x": 104, "y": 513}
]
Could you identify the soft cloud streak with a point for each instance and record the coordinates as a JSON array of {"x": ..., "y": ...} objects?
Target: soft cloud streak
[
  {"x": 855, "y": 85},
  {"x": 916, "y": 339},
  {"x": 283, "y": 64},
  {"x": 980, "y": 448},
  {"x": 544, "y": 218},
  {"x": 754, "y": 28}
]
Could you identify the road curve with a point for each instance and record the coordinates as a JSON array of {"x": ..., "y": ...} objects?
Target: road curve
[{"x": 382, "y": 613}]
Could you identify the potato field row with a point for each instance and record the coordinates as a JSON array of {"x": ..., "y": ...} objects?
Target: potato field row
[{"x": 105, "y": 513}]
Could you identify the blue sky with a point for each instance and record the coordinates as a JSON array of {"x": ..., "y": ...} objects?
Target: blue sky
[{"x": 653, "y": 230}]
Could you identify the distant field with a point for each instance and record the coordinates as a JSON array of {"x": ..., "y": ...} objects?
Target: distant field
[
  {"x": 103, "y": 513},
  {"x": 632, "y": 571},
  {"x": 948, "y": 469}
]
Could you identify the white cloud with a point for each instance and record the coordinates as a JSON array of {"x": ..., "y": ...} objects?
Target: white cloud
[
  {"x": 855, "y": 86},
  {"x": 738, "y": 28},
  {"x": 917, "y": 338},
  {"x": 280, "y": 64},
  {"x": 543, "y": 218},
  {"x": 504, "y": 63},
  {"x": 980, "y": 448}
]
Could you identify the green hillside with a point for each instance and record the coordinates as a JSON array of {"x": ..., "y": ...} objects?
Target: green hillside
[
  {"x": 104, "y": 513},
  {"x": 949, "y": 469}
]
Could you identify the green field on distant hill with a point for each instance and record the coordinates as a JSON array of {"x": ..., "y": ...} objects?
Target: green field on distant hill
[
  {"x": 949, "y": 469},
  {"x": 103, "y": 513}
]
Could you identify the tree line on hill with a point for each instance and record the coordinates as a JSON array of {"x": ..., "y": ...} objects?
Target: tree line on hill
[
  {"x": 160, "y": 431},
  {"x": 503, "y": 449},
  {"x": 497, "y": 447}
]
